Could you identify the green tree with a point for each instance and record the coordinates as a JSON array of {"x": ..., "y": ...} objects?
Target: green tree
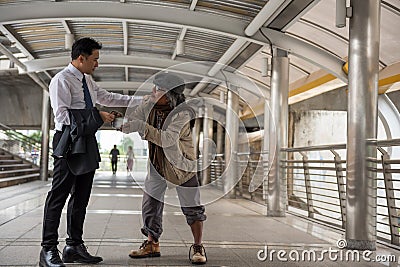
[
  {"x": 37, "y": 136},
  {"x": 125, "y": 142}
]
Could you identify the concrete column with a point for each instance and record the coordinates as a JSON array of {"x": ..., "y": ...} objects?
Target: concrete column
[
  {"x": 362, "y": 124},
  {"x": 220, "y": 128},
  {"x": 278, "y": 126},
  {"x": 207, "y": 143},
  {"x": 44, "y": 155},
  {"x": 231, "y": 143}
]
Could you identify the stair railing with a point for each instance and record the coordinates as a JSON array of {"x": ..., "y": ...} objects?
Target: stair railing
[{"x": 21, "y": 145}]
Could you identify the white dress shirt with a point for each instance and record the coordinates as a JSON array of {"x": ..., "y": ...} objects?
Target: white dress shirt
[{"x": 66, "y": 92}]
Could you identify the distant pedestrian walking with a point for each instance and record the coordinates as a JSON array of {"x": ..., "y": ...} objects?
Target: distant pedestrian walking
[
  {"x": 114, "y": 159},
  {"x": 130, "y": 157}
]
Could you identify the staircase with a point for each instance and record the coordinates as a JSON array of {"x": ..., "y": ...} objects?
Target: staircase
[{"x": 14, "y": 170}]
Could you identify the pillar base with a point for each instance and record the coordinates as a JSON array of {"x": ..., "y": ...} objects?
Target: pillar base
[
  {"x": 276, "y": 213},
  {"x": 360, "y": 244}
]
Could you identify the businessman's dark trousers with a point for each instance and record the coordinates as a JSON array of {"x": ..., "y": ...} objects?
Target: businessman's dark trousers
[{"x": 65, "y": 184}]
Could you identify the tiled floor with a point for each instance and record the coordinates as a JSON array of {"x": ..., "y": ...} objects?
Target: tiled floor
[{"x": 236, "y": 233}]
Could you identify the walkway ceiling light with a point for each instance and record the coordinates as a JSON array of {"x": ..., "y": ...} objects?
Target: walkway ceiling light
[
  {"x": 342, "y": 12},
  {"x": 69, "y": 40},
  {"x": 265, "y": 67},
  {"x": 180, "y": 47}
]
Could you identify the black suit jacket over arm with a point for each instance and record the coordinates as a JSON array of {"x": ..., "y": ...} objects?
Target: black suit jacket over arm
[{"x": 78, "y": 142}]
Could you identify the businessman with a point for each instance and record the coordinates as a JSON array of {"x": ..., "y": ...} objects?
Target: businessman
[{"x": 73, "y": 95}]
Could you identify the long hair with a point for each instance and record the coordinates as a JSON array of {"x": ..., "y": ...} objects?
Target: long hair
[{"x": 175, "y": 99}]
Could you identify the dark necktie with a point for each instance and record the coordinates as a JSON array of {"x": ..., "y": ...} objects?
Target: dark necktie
[{"x": 86, "y": 94}]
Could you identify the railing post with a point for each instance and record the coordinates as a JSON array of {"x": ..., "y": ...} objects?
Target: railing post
[
  {"x": 240, "y": 166},
  {"x": 264, "y": 158},
  {"x": 390, "y": 200},
  {"x": 341, "y": 188},
  {"x": 207, "y": 143},
  {"x": 310, "y": 206},
  {"x": 252, "y": 175}
]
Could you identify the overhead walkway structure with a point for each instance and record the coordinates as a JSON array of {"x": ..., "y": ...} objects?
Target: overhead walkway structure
[{"x": 297, "y": 105}]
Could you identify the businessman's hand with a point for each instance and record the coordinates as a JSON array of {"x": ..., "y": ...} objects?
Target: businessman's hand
[{"x": 107, "y": 117}]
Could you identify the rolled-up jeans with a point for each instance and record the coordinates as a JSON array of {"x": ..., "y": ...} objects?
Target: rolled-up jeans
[{"x": 153, "y": 203}]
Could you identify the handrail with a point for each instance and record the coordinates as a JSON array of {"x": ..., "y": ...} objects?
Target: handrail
[
  {"x": 320, "y": 188},
  {"x": 31, "y": 148},
  {"x": 388, "y": 142},
  {"x": 314, "y": 148},
  {"x": 21, "y": 137}
]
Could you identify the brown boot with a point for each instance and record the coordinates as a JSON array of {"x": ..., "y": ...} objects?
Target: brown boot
[{"x": 147, "y": 249}]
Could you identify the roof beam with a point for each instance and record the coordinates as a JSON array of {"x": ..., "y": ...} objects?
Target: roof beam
[
  {"x": 20, "y": 46},
  {"x": 193, "y": 5},
  {"x": 15, "y": 40},
  {"x": 189, "y": 68},
  {"x": 180, "y": 37},
  {"x": 12, "y": 58},
  {"x": 266, "y": 13},
  {"x": 66, "y": 26},
  {"x": 300, "y": 14},
  {"x": 126, "y": 36},
  {"x": 173, "y": 17},
  {"x": 125, "y": 86},
  {"x": 221, "y": 64}
]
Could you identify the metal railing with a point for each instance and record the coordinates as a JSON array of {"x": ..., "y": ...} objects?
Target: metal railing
[
  {"x": 217, "y": 167},
  {"x": 247, "y": 167},
  {"x": 253, "y": 165},
  {"x": 316, "y": 183},
  {"x": 21, "y": 145}
]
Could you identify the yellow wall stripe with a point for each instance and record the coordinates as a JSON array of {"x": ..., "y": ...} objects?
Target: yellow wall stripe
[{"x": 315, "y": 83}]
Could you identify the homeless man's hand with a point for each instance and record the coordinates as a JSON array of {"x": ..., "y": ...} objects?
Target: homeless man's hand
[{"x": 134, "y": 126}]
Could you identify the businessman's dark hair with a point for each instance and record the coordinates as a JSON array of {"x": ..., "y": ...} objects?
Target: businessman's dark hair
[{"x": 84, "y": 46}]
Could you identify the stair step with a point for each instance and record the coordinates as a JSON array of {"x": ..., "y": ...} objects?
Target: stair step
[
  {"x": 9, "y": 181},
  {"x": 12, "y": 173},
  {"x": 2, "y": 157},
  {"x": 10, "y": 161},
  {"x": 15, "y": 166}
]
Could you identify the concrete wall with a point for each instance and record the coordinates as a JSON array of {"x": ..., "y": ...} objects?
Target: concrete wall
[
  {"x": 20, "y": 102},
  {"x": 319, "y": 127},
  {"x": 395, "y": 97},
  {"x": 331, "y": 100}
]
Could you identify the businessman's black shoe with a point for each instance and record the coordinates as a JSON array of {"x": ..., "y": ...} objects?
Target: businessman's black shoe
[
  {"x": 49, "y": 257},
  {"x": 79, "y": 254}
]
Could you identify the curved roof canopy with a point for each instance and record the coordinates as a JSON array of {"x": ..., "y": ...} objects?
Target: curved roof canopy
[{"x": 140, "y": 37}]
